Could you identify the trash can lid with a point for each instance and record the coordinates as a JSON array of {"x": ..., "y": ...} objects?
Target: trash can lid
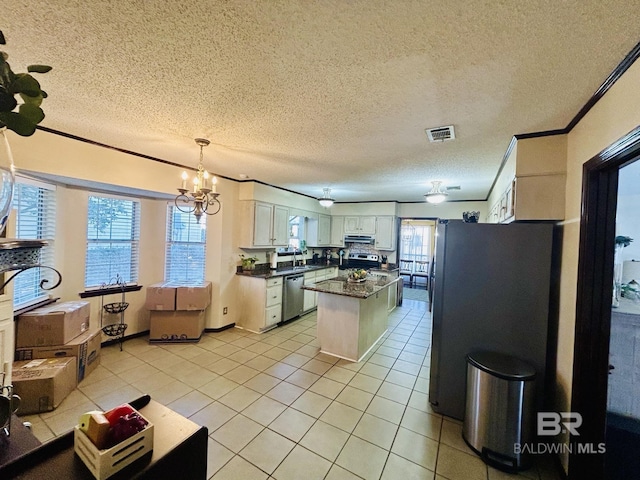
[{"x": 501, "y": 365}]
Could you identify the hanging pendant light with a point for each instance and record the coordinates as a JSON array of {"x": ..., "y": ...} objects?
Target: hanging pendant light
[
  {"x": 204, "y": 198},
  {"x": 326, "y": 201},
  {"x": 436, "y": 195}
]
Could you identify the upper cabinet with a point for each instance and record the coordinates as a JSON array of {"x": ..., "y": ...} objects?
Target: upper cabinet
[
  {"x": 337, "y": 231},
  {"x": 531, "y": 185},
  {"x": 319, "y": 231},
  {"x": 386, "y": 233},
  {"x": 264, "y": 225},
  {"x": 360, "y": 225}
]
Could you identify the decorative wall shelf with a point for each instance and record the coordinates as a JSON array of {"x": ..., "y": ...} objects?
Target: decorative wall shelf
[{"x": 20, "y": 255}]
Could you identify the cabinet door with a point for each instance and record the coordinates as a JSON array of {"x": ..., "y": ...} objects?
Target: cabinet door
[
  {"x": 274, "y": 295},
  {"x": 310, "y": 298},
  {"x": 368, "y": 225},
  {"x": 324, "y": 230},
  {"x": 273, "y": 315},
  {"x": 351, "y": 225},
  {"x": 385, "y": 233},
  {"x": 6, "y": 339},
  {"x": 337, "y": 231},
  {"x": 280, "y": 226},
  {"x": 262, "y": 223}
]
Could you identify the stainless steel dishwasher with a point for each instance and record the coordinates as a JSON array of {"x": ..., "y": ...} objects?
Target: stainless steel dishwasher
[{"x": 293, "y": 296}]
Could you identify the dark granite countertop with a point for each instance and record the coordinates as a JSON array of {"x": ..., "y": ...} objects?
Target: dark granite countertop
[
  {"x": 281, "y": 272},
  {"x": 341, "y": 286}
]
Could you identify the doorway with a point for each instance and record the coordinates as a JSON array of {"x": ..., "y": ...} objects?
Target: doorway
[
  {"x": 622, "y": 459},
  {"x": 594, "y": 300},
  {"x": 415, "y": 253}
]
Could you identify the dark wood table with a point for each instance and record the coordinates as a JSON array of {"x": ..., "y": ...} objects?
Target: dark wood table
[{"x": 179, "y": 451}]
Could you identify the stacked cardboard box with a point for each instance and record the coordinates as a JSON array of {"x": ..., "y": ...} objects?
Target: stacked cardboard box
[
  {"x": 52, "y": 341},
  {"x": 43, "y": 383},
  {"x": 177, "y": 311}
]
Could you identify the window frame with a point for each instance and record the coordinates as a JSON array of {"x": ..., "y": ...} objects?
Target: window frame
[
  {"x": 174, "y": 276},
  {"x": 45, "y": 225},
  {"x": 134, "y": 241}
]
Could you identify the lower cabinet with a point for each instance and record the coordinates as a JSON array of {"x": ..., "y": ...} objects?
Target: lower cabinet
[
  {"x": 310, "y": 298},
  {"x": 260, "y": 303},
  {"x": 6, "y": 338}
]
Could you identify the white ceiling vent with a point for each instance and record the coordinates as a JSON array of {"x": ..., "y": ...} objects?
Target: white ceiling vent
[
  {"x": 455, "y": 187},
  {"x": 440, "y": 134}
]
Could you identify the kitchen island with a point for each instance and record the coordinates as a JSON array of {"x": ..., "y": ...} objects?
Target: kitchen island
[{"x": 352, "y": 317}]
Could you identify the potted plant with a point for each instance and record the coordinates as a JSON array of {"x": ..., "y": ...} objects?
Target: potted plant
[
  {"x": 16, "y": 87},
  {"x": 248, "y": 263},
  {"x": 20, "y": 86}
]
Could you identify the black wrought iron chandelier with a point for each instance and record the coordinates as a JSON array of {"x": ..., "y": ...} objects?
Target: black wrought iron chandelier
[{"x": 203, "y": 198}]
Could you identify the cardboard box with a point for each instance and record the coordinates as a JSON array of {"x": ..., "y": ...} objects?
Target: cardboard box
[
  {"x": 43, "y": 383},
  {"x": 86, "y": 349},
  {"x": 54, "y": 324},
  {"x": 161, "y": 296},
  {"x": 193, "y": 297},
  {"x": 178, "y": 326},
  {"x": 104, "y": 463}
]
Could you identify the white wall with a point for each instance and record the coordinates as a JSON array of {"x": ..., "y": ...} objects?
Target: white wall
[
  {"x": 448, "y": 210},
  {"x": 50, "y": 154}
]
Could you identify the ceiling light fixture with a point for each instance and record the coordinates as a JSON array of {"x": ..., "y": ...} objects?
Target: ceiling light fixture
[
  {"x": 436, "y": 195},
  {"x": 326, "y": 201},
  {"x": 203, "y": 198}
]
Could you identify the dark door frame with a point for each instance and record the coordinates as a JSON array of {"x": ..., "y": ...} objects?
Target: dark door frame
[{"x": 593, "y": 303}]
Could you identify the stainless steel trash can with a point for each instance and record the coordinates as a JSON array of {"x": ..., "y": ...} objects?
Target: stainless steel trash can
[{"x": 499, "y": 409}]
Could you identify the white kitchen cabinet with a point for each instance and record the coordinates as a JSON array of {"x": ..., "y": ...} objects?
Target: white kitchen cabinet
[
  {"x": 6, "y": 337},
  {"x": 310, "y": 297},
  {"x": 337, "y": 231},
  {"x": 319, "y": 231},
  {"x": 261, "y": 303},
  {"x": 386, "y": 232},
  {"x": 264, "y": 225},
  {"x": 360, "y": 225}
]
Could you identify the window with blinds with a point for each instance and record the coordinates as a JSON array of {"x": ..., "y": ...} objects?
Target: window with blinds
[
  {"x": 35, "y": 206},
  {"x": 185, "y": 251},
  {"x": 113, "y": 232}
]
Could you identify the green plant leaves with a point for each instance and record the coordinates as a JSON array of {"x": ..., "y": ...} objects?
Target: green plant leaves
[
  {"x": 7, "y": 101},
  {"x": 29, "y": 113},
  {"x": 26, "y": 84},
  {"x": 38, "y": 68},
  {"x": 18, "y": 123}
]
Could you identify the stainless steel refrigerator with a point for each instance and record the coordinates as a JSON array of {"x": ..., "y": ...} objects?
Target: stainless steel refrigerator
[{"x": 490, "y": 292}]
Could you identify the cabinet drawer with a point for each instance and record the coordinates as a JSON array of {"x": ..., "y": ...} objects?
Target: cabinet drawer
[
  {"x": 274, "y": 281},
  {"x": 309, "y": 277},
  {"x": 274, "y": 295},
  {"x": 273, "y": 315}
]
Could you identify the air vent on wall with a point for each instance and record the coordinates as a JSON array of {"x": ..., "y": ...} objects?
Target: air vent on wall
[
  {"x": 440, "y": 134},
  {"x": 456, "y": 187}
]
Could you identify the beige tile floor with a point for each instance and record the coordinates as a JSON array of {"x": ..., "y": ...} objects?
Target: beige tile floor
[{"x": 277, "y": 408}]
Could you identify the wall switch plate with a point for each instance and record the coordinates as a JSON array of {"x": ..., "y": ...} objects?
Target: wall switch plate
[{"x": 225, "y": 310}]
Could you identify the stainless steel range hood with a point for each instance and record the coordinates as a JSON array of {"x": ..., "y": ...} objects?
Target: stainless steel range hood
[{"x": 366, "y": 239}]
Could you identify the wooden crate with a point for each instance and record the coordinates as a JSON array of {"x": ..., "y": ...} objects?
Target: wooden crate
[{"x": 104, "y": 463}]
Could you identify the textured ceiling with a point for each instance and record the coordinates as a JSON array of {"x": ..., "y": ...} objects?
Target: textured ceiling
[{"x": 309, "y": 94}]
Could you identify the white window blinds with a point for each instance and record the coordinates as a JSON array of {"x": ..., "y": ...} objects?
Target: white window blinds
[
  {"x": 112, "y": 241},
  {"x": 185, "y": 251},
  {"x": 35, "y": 206}
]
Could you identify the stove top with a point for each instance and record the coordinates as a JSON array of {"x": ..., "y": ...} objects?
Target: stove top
[
  {"x": 364, "y": 256},
  {"x": 363, "y": 260}
]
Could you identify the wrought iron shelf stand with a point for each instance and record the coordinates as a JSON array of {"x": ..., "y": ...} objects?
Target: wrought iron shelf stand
[{"x": 20, "y": 255}]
